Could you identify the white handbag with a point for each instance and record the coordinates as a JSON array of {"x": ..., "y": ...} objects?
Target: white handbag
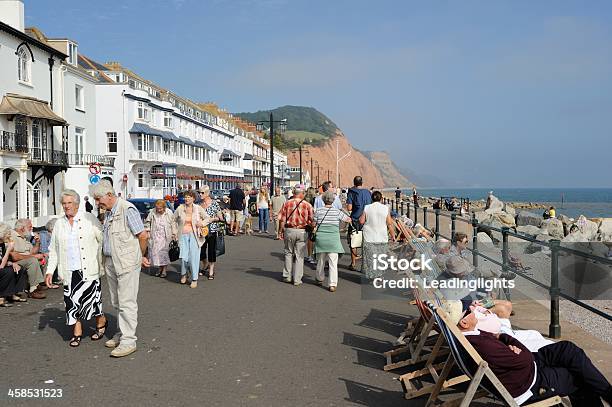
[{"x": 356, "y": 239}]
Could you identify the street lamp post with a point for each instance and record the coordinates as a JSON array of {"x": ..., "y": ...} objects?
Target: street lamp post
[
  {"x": 282, "y": 127},
  {"x": 338, "y": 159},
  {"x": 300, "y": 150}
]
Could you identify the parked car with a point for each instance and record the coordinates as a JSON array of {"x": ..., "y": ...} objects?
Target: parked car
[
  {"x": 144, "y": 205},
  {"x": 216, "y": 193}
]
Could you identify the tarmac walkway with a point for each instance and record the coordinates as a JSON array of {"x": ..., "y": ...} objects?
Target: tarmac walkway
[{"x": 244, "y": 338}]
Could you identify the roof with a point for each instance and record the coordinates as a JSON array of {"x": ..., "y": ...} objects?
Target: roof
[
  {"x": 146, "y": 129},
  {"x": 247, "y": 156},
  {"x": 13, "y": 104},
  {"x": 30, "y": 40}
]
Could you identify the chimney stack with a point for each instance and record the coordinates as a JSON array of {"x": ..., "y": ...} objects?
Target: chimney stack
[{"x": 11, "y": 13}]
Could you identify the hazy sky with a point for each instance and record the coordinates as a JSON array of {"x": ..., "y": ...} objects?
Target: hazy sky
[{"x": 487, "y": 93}]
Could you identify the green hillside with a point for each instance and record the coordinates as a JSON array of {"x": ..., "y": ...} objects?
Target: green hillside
[
  {"x": 303, "y": 123},
  {"x": 303, "y": 137}
]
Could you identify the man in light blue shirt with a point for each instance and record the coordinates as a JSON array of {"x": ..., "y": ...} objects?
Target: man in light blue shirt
[{"x": 318, "y": 203}]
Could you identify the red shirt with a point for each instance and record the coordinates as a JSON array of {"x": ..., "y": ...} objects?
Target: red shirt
[{"x": 300, "y": 217}]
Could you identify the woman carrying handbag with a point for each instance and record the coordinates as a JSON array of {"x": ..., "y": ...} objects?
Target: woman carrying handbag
[
  {"x": 208, "y": 253},
  {"x": 192, "y": 223}
]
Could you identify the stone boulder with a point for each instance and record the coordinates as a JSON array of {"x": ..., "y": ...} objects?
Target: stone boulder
[
  {"x": 495, "y": 205},
  {"x": 493, "y": 222},
  {"x": 605, "y": 230},
  {"x": 529, "y": 230},
  {"x": 505, "y": 219},
  {"x": 509, "y": 209},
  {"x": 526, "y": 218},
  {"x": 534, "y": 247},
  {"x": 481, "y": 216},
  {"x": 554, "y": 228},
  {"x": 482, "y": 237},
  {"x": 586, "y": 227}
]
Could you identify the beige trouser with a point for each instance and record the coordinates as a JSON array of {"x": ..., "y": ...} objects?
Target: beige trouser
[
  {"x": 295, "y": 244},
  {"x": 123, "y": 289},
  {"x": 32, "y": 267},
  {"x": 333, "y": 268}
]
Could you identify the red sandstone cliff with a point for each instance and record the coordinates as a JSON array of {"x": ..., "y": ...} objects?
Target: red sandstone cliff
[{"x": 325, "y": 155}]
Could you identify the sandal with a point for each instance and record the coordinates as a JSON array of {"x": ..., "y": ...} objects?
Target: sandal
[
  {"x": 211, "y": 276},
  {"x": 53, "y": 286},
  {"x": 184, "y": 279},
  {"x": 17, "y": 298},
  {"x": 163, "y": 275},
  {"x": 75, "y": 341},
  {"x": 5, "y": 304},
  {"x": 100, "y": 331}
]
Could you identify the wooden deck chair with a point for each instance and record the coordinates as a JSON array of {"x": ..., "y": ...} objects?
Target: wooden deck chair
[
  {"x": 419, "y": 347},
  {"x": 419, "y": 332},
  {"x": 409, "y": 380},
  {"x": 464, "y": 355}
]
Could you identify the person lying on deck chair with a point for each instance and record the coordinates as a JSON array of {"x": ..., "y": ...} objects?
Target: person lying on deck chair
[{"x": 560, "y": 368}]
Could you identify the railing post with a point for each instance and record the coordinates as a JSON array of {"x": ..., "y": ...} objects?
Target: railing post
[
  {"x": 408, "y": 210},
  {"x": 453, "y": 225},
  {"x": 402, "y": 208},
  {"x": 505, "y": 256},
  {"x": 474, "y": 240},
  {"x": 425, "y": 217},
  {"x": 554, "y": 329},
  {"x": 437, "y": 224},
  {"x": 416, "y": 214}
]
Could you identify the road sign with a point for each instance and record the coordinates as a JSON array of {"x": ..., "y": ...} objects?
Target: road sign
[
  {"x": 94, "y": 179},
  {"x": 95, "y": 168}
]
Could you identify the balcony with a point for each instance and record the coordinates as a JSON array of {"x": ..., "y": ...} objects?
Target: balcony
[
  {"x": 145, "y": 156},
  {"x": 46, "y": 156},
  {"x": 16, "y": 143},
  {"x": 87, "y": 159}
]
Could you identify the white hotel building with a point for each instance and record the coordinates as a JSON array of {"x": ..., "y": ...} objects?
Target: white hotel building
[{"x": 161, "y": 142}]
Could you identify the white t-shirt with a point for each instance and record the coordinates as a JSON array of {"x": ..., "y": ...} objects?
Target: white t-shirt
[
  {"x": 375, "y": 226},
  {"x": 262, "y": 202}
]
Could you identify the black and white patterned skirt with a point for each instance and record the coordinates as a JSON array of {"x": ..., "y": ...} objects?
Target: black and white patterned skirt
[{"x": 83, "y": 299}]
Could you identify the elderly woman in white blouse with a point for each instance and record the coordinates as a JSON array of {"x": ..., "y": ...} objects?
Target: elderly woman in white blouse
[{"x": 76, "y": 251}]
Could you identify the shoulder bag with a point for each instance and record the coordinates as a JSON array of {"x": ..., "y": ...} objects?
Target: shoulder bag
[{"x": 312, "y": 235}]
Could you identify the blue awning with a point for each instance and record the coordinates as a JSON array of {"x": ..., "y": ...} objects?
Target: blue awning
[
  {"x": 142, "y": 128},
  {"x": 229, "y": 153},
  {"x": 205, "y": 145}
]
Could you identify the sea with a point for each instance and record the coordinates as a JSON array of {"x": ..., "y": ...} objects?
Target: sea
[{"x": 573, "y": 202}]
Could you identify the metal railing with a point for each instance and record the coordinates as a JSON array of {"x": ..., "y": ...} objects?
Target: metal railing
[
  {"x": 554, "y": 290},
  {"x": 14, "y": 142},
  {"x": 47, "y": 156},
  {"x": 87, "y": 159}
]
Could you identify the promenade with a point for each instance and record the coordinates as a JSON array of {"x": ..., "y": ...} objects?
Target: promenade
[{"x": 242, "y": 339}]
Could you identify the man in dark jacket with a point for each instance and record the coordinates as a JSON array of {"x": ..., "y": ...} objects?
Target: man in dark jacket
[{"x": 561, "y": 368}]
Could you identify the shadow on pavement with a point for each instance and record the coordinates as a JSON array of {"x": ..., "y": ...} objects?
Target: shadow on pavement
[
  {"x": 367, "y": 395},
  {"x": 257, "y": 271},
  {"x": 55, "y": 318},
  {"x": 384, "y": 321}
]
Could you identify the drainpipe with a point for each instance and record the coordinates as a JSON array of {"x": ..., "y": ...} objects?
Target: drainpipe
[{"x": 51, "y": 63}]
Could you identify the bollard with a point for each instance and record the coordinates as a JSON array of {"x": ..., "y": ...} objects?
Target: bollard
[
  {"x": 437, "y": 224},
  {"x": 408, "y": 210},
  {"x": 505, "y": 256},
  {"x": 554, "y": 329},
  {"x": 474, "y": 240},
  {"x": 425, "y": 217},
  {"x": 453, "y": 226},
  {"x": 416, "y": 214},
  {"x": 402, "y": 208}
]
